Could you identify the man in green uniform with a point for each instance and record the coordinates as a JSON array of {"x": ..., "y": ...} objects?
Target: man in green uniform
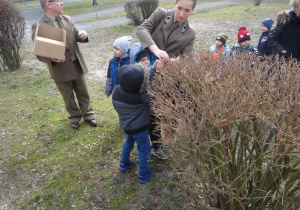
[{"x": 68, "y": 72}]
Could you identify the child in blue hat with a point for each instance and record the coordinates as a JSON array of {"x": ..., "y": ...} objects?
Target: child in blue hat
[{"x": 264, "y": 47}]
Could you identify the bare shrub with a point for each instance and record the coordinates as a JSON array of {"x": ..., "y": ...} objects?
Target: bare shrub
[
  {"x": 12, "y": 27},
  {"x": 237, "y": 120},
  {"x": 133, "y": 12},
  {"x": 138, "y": 11},
  {"x": 147, "y": 7}
]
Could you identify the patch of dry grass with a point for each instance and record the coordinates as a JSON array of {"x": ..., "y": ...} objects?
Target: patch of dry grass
[{"x": 228, "y": 19}]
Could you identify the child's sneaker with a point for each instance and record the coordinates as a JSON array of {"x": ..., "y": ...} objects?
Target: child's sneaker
[
  {"x": 160, "y": 154},
  {"x": 144, "y": 178},
  {"x": 125, "y": 166}
]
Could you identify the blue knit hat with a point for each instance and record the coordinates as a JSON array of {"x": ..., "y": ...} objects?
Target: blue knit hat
[
  {"x": 122, "y": 43},
  {"x": 268, "y": 23}
]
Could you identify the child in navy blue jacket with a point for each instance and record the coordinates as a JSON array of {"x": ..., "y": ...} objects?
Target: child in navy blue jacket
[
  {"x": 131, "y": 102},
  {"x": 121, "y": 57},
  {"x": 264, "y": 47}
]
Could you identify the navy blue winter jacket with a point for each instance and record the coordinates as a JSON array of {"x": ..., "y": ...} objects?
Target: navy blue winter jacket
[
  {"x": 130, "y": 99},
  {"x": 264, "y": 47},
  {"x": 112, "y": 72}
]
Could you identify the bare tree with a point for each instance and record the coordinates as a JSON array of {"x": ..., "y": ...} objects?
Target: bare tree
[{"x": 12, "y": 26}]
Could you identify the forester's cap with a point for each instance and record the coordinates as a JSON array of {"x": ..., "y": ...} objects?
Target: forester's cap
[
  {"x": 243, "y": 34},
  {"x": 222, "y": 37},
  {"x": 122, "y": 43},
  {"x": 268, "y": 23}
]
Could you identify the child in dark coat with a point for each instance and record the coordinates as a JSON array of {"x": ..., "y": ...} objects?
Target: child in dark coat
[
  {"x": 131, "y": 102},
  {"x": 264, "y": 47},
  {"x": 147, "y": 59}
]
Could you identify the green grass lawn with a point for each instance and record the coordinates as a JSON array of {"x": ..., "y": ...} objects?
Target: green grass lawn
[
  {"x": 165, "y": 4},
  {"x": 47, "y": 164},
  {"x": 82, "y": 6},
  {"x": 77, "y": 6},
  {"x": 87, "y": 6}
]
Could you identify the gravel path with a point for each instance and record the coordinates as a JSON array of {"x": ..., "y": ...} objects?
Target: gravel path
[{"x": 33, "y": 13}]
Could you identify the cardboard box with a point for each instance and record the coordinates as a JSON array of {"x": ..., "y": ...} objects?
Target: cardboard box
[{"x": 49, "y": 41}]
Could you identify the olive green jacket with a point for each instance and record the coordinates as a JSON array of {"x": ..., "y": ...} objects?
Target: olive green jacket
[
  {"x": 63, "y": 71},
  {"x": 179, "y": 42}
]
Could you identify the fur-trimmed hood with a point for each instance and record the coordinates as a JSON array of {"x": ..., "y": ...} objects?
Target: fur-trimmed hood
[
  {"x": 133, "y": 78},
  {"x": 285, "y": 17}
]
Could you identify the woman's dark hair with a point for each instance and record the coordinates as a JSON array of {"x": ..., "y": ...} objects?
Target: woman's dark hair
[{"x": 195, "y": 2}]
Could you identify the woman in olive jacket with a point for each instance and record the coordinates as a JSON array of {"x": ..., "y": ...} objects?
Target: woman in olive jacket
[{"x": 174, "y": 37}]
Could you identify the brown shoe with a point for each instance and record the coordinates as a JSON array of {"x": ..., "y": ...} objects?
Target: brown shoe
[
  {"x": 75, "y": 125},
  {"x": 92, "y": 122}
]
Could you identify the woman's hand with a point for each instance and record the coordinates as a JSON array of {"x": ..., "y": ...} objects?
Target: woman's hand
[{"x": 160, "y": 54}]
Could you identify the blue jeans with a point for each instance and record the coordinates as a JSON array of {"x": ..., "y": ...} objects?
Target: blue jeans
[{"x": 143, "y": 148}]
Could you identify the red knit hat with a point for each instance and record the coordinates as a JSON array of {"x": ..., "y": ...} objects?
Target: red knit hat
[{"x": 243, "y": 34}]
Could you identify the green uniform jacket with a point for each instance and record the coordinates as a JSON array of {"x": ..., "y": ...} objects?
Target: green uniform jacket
[
  {"x": 179, "y": 42},
  {"x": 64, "y": 71}
]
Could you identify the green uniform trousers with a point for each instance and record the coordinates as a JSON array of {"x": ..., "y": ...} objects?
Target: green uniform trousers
[{"x": 77, "y": 86}]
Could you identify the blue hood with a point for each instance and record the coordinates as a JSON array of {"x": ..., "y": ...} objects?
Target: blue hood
[{"x": 136, "y": 49}]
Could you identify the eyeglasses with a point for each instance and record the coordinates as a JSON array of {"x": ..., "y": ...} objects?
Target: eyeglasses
[{"x": 55, "y": 1}]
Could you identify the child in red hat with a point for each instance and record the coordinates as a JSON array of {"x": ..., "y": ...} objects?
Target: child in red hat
[{"x": 243, "y": 42}]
